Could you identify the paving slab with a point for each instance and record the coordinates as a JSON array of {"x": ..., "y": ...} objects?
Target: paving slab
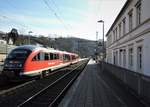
[{"x": 91, "y": 90}]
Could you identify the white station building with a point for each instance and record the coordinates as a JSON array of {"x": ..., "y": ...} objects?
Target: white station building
[{"x": 128, "y": 39}]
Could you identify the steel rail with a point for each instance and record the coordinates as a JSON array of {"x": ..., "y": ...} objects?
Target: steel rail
[
  {"x": 29, "y": 100},
  {"x": 58, "y": 99}
]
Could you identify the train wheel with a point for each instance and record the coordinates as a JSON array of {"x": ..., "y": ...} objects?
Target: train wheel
[
  {"x": 44, "y": 73},
  {"x": 41, "y": 76}
]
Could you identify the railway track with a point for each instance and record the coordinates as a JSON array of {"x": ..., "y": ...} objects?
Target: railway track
[
  {"x": 9, "y": 84},
  {"x": 16, "y": 96},
  {"x": 52, "y": 94},
  {"x": 8, "y": 89},
  {"x": 6, "y": 85}
]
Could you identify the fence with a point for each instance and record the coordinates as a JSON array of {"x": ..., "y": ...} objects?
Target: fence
[
  {"x": 4, "y": 50},
  {"x": 137, "y": 82}
]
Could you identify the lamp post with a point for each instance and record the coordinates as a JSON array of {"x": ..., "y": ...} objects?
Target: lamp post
[
  {"x": 96, "y": 48},
  {"x": 29, "y": 37},
  {"x": 101, "y": 21}
]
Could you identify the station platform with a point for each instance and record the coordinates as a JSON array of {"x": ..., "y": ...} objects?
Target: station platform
[{"x": 94, "y": 88}]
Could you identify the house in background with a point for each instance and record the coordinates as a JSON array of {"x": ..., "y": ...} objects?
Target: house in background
[
  {"x": 5, "y": 45},
  {"x": 128, "y": 39}
]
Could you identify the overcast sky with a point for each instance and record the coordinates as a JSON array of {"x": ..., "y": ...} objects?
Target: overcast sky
[{"x": 63, "y": 17}]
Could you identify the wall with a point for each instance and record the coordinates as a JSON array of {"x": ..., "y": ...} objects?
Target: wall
[
  {"x": 134, "y": 82},
  {"x": 139, "y": 35},
  {"x": 147, "y": 54}
]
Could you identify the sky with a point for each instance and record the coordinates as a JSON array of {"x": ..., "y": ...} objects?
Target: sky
[{"x": 67, "y": 18}]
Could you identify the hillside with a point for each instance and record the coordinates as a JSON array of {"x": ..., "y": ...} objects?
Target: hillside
[{"x": 83, "y": 47}]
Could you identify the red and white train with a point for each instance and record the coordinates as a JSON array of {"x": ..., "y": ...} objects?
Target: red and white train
[{"x": 30, "y": 60}]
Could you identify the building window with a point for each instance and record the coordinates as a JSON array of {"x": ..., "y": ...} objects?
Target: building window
[
  {"x": 120, "y": 30},
  {"x": 124, "y": 58},
  {"x": 116, "y": 33},
  {"x": 109, "y": 39},
  {"x": 130, "y": 20},
  {"x": 124, "y": 26},
  {"x": 116, "y": 57},
  {"x": 120, "y": 57},
  {"x": 130, "y": 57},
  {"x": 139, "y": 57},
  {"x": 138, "y": 12}
]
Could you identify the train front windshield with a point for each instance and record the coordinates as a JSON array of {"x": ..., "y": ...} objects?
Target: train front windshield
[
  {"x": 19, "y": 54},
  {"x": 16, "y": 58}
]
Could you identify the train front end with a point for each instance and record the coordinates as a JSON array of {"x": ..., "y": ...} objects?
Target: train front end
[{"x": 14, "y": 63}]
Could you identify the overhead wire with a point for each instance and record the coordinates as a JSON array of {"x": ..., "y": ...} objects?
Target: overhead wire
[
  {"x": 12, "y": 4},
  {"x": 21, "y": 24},
  {"x": 12, "y": 21},
  {"x": 59, "y": 12},
  {"x": 56, "y": 15},
  {"x": 60, "y": 19}
]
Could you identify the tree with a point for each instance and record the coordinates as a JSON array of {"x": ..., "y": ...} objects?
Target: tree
[{"x": 13, "y": 34}]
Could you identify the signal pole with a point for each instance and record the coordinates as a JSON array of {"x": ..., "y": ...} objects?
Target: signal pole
[{"x": 29, "y": 37}]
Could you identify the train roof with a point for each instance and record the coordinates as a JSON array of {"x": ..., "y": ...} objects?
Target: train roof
[
  {"x": 29, "y": 47},
  {"x": 34, "y": 47}
]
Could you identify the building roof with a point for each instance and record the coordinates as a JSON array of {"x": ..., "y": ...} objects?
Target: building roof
[{"x": 119, "y": 15}]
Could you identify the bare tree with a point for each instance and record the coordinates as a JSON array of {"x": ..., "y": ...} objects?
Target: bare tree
[{"x": 13, "y": 34}]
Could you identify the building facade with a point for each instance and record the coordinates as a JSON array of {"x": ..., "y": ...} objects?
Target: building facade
[{"x": 128, "y": 39}]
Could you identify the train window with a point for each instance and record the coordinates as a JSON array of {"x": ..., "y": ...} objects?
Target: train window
[
  {"x": 56, "y": 56},
  {"x": 19, "y": 54},
  {"x": 69, "y": 57},
  {"x": 51, "y": 56},
  {"x": 66, "y": 57},
  {"x": 34, "y": 58},
  {"x": 60, "y": 56},
  {"x": 46, "y": 57},
  {"x": 37, "y": 57},
  {"x": 73, "y": 57},
  {"x": 42, "y": 56}
]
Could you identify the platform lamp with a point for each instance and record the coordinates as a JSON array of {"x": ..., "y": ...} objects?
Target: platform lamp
[
  {"x": 101, "y": 21},
  {"x": 29, "y": 36}
]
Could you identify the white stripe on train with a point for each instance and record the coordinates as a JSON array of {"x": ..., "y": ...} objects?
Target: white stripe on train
[{"x": 38, "y": 72}]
